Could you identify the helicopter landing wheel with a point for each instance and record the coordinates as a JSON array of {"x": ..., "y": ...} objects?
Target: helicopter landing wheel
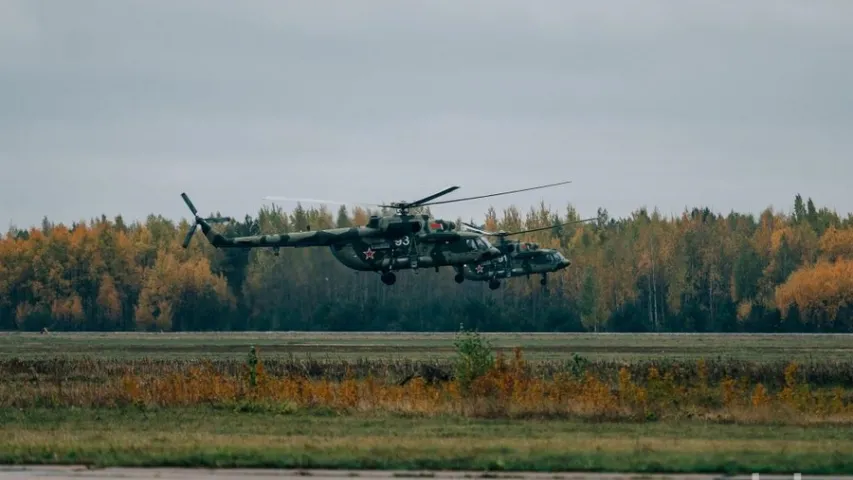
[
  {"x": 494, "y": 284},
  {"x": 543, "y": 281},
  {"x": 389, "y": 278},
  {"x": 459, "y": 278}
]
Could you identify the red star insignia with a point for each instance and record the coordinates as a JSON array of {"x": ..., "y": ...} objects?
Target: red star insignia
[
  {"x": 369, "y": 253},
  {"x": 479, "y": 269}
]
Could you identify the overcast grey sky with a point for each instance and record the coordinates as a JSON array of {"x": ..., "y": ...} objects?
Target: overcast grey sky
[{"x": 117, "y": 106}]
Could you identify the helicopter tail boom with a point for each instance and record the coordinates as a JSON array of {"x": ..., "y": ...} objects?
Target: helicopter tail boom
[{"x": 317, "y": 238}]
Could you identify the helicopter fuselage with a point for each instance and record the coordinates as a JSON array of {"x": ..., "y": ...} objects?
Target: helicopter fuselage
[
  {"x": 381, "y": 255},
  {"x": 388, "y": 245},
  {"x": 540, "y": 262}
]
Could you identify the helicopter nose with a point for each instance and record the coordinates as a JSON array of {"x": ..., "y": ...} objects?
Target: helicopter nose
[{"x": 566, "y": 263}]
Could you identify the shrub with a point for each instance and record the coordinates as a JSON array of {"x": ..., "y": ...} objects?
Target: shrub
[{"x": 474, "y": 357}]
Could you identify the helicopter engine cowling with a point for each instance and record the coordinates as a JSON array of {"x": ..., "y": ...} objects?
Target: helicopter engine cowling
[
  {"x": 396, "y": 226},
  {"x": 439, "y": 237},
  {"x": 527, "y": 246}
]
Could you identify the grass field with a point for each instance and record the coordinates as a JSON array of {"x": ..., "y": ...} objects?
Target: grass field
[
  {"x": 222, "y": 438},
  {"x": 629, "y": 402},
  {"x": 417, "y": 346}
]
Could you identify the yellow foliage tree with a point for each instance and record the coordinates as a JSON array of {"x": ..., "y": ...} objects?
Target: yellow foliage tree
[
  {"x": 837, "y": 244},
  {"x": 819, "y": 292},
  {"x": 178, "y": 296}
]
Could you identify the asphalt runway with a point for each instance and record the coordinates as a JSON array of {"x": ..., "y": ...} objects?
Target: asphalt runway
[{"x": 82, "y": 472}]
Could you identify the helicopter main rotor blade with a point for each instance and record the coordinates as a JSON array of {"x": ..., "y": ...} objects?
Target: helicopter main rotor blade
[
  {"x": 423, "y": 201},
  {"x": 477, "y": 229},
  {"x": 314, "y": 200},
  {"x": 550, "y": 226},
  {"x": 494, "y": 194},
  {"x": 380, "y": 205},
  {"x": 417, "y": 203}
]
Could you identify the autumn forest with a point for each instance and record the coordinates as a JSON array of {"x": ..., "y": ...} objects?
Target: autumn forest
[{"x": 698, "y": 272}]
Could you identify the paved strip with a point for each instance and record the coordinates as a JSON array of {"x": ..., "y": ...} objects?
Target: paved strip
[{"x": 82, "y": 472}]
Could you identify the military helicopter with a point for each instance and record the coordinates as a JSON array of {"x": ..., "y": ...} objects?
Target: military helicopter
[
  {"x": 387, "y": 243},
  {"x": 518, "y": 258}
]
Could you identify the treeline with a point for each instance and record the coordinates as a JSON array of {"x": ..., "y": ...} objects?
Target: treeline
[{"x": 700, "y": 272}]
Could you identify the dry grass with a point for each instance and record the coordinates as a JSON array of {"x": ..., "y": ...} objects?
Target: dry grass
[
  {"x": 510, "y": 389},
  {"x": 823, "y": 373}
]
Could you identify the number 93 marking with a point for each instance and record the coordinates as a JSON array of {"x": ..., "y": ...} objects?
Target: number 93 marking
[{"x": 402, "y": 242}]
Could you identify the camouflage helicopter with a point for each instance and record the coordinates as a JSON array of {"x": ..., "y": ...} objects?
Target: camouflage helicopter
[
  {"x": 387, "y": 243},
  {"x": 518, "y": 258}
]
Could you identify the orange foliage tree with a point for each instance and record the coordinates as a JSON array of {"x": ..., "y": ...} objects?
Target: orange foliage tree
[{"x": 698, "y": 271}]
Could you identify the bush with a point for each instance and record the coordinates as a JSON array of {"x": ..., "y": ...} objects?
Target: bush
[{"x": 474, "y": 356}]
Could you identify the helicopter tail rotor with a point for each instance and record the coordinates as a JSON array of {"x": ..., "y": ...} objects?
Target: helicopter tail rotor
[{"x": 203, "y": 222}]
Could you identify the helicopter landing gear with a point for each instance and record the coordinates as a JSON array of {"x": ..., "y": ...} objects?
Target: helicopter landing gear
[
  {"x": 494, "y": 284},
  {"x": 388, "y": 278},
  {"x": 544, "y": 280},
  {"x": 460, "y": 275}
]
